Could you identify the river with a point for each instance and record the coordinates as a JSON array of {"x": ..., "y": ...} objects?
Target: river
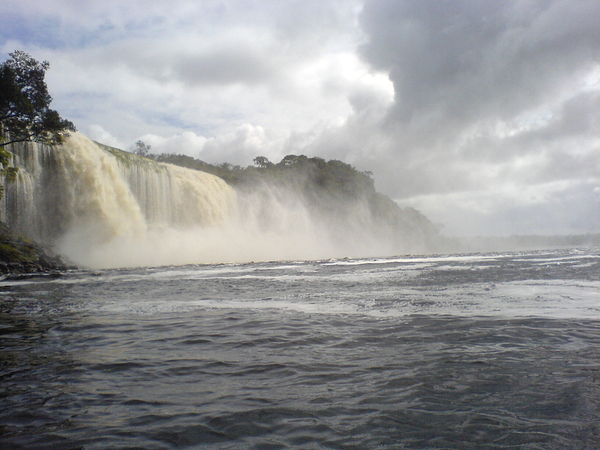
[{"x": 473, "y": 351}]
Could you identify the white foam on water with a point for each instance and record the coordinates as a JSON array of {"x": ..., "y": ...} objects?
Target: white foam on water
[
  {"x": 511, "y": 300},
  {"x": 434, "y": 259}
]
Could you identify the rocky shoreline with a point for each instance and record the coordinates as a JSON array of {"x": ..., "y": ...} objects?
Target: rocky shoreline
[{"x": 20, "y": 257}]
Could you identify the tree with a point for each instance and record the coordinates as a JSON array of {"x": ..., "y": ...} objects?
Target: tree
[
  {"x": 290, "y": 160},
  {"x": 25, "y": 114},
  {"x": 141, "y": 149},
  {"x": 262, "y": 162}
]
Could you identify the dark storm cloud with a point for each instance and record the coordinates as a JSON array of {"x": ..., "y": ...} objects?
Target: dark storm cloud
[
  {"x": 455, "y": 61},
  {"x": 492, "y": 98}
]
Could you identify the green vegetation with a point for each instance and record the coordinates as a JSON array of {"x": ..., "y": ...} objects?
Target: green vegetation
[
  {"x": 16, "y": 252},
  {"x": 24, "y": 109},
  {"x": 190, "y": 163},
  {"x": 309, "y": 175},
  {"x": 25, "y": 113},
  {"x": 330, "y": 189},
  {"x": 130, "y": 160},
  {"x": 141, "y": 149},
  {"x": 19, "y": 255}
]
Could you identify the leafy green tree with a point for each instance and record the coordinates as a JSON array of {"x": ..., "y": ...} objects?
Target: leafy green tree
[
  {"x": 140, "y": 148},
  {"x": 262, "y": 162},
  {"x": 290, "y": 160},
  {"x": 25, "y": 114}
]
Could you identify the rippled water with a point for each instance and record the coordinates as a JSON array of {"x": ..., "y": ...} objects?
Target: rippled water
[{"x": 492, "y": 351}]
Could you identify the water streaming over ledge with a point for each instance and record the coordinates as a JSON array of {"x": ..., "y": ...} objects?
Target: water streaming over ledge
[
  {"x": 87, "y": 200},
  {"x": 84, "y": 185},
  {"x": 102, "y": 207}
]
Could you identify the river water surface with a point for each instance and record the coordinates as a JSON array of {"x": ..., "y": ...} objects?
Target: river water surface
[{"x": 485, "y": 351}]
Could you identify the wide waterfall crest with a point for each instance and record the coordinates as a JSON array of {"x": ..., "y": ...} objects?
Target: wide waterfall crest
[
  {"x": 104, "y": 207},
  {"x": 98, "y": 202}
]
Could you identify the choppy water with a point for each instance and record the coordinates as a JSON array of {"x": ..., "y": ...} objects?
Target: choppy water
[{"x": 491, "y": 351}]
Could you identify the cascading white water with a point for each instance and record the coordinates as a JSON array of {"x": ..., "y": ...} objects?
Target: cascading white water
[
  {"x": 98, "y": 208},
  {"x": 97, "y": 200},
  {"x": 102, "y": 207}
]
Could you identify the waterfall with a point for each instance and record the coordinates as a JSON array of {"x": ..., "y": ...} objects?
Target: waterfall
[
  {"x": 87, "y": 200},
  {"x": 102, "y": 207}
]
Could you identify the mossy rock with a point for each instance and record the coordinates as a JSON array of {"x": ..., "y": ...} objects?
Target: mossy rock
[
  {"x": 19, "y": 255},
  {"x": 15, "y": 252}
]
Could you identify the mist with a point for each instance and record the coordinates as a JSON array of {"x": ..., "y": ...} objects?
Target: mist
[{"x": 101, "y": 207}]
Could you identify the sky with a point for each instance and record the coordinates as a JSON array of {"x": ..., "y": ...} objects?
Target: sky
[{"x": 482, "y": 114}]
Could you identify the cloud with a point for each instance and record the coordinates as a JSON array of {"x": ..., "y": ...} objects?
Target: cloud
[
  {"x": 205, "y": 67},
  {"x": 236, "y": 63},
  {"x": 99, "y": 134},
  {"x": 239, "y": 147},
  {"x": 469, "y": 58},
  {"x": 459, "y": 108},
  {"x": 487, "y": 95},
  {"x": 186, "y": 143},
  {"x": 559, "y": 207}
]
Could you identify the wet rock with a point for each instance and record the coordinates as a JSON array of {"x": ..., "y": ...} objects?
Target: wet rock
[{"x": 19, "y": 255}]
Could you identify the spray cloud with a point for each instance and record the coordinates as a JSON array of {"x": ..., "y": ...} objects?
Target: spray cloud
[{"x": 102, "y": 207}]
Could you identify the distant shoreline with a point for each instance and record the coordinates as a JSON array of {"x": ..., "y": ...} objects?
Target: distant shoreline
[{"x": 523, "y": 242}]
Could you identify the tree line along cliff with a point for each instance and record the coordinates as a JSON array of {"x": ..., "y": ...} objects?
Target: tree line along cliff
[{"x": 332, "y": 189}]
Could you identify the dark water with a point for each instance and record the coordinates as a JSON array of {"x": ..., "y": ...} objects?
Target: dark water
[{"x": 498, "y": 351}]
